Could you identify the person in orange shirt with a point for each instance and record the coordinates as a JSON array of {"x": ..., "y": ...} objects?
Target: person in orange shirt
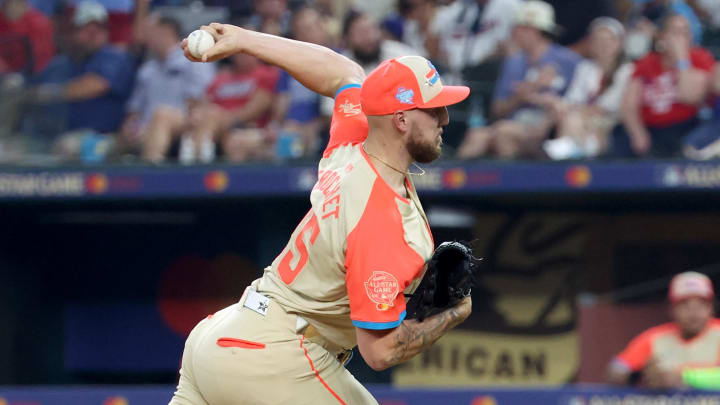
[{"x": 684, "y": 352}]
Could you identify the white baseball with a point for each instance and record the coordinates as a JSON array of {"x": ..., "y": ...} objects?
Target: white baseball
[{"x": 199, "y": 42}]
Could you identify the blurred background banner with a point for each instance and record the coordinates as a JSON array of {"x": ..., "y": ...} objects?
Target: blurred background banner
[
  {"x": 386, "y": 396},
  {"x": 280, "y": 180},
  {"x": 463, "y": 358},
  {"x": 525, "y": 333},
  {"x": 114, "y": 289}
]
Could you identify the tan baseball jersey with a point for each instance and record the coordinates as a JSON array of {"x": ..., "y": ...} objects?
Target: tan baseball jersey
[
  {"x": 665, "y": 344},
  {"x": 361, "y": 245}
]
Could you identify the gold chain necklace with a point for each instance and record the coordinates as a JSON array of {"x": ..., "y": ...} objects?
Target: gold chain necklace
[{"x": 420, "y": 173}]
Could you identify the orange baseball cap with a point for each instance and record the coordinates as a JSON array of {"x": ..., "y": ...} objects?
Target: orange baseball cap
[
  {"x": 690, "y": 284},
  {"x": 405, "y": 83}
]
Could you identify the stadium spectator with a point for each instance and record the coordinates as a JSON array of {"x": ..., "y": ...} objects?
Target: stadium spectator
[
  {"x": 271, "y": 17},
  {"x": 575, "y": 17},
  {"x": 236, "y": 113},
  {"x": 297, "y": 110},
  {"x": 469, "y": 32},
  {"x": 364, "y": 42},
  {"x": 661, "y": 103},
  {"x": 682, "y": 8},
  {"x": 333, "y": 12},
  {"x": 120, "y": 19},
  {"x": 26, "y": 36},
  {"x": 411, "y": 24},
  {"x": 594, "y": 97},
  {"x": 647, "y": 18},
  {"x": 94, "y": 79},
  {"x": 683, "y": 352},
  {"x": 529, "y": 89},
  {"x": 703, "y": 143},
  {"x": 469, "y": 39},
  {"x": 393, "y": 24},
  {"x": 164, "y": 84},
  {"x": 375, "y": 9}
]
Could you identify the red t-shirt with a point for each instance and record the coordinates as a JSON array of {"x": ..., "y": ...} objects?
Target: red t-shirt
[
  {"x": 120, "y": 25},
  {"x": 34, "y": 26},
  {"x": 232, "y": 90},
  {"x": 660, "y": 86}
]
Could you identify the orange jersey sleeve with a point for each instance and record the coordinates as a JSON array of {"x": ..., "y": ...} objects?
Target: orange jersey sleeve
[
  {"x": 349, "y": 124},
  {"x": 639, "y": 351},
  {"x": 379, "y": 262}
]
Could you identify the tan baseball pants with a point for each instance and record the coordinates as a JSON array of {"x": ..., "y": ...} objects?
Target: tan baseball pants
[{"x": 250, "y": 353}]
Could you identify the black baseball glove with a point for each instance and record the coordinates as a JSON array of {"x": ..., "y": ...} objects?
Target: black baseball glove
[{"x": 450, "y": 276}]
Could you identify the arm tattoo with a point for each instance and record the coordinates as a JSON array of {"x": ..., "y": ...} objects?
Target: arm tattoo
[
  {"x": 412, "y": 337},
  {"x": 401, "y": 345}
]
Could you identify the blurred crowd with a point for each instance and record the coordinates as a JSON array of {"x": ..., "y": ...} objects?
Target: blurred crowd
[{"x": 104, "y": 81}]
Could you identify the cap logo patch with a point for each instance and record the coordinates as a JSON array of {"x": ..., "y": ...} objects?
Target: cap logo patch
[
  {"x": 432, "y": 76},
  {"x": 405, "y": 96}
]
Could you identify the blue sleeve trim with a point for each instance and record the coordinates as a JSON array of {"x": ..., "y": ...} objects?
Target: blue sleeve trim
[
  {"x": 380, "y": 325},
  {"x": 345, "y": 87}
]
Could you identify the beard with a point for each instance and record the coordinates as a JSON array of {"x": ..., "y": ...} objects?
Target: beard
[
  {"x": 422, "y": 151},
  {"x": 365, "y": 57}
]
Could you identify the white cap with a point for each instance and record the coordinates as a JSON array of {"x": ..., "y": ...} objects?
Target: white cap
[
  {"x": 610, "y": 23},
  {"x": 89, "y": 11},
  {"x": 690, "y": 284},
  {"x": 537, "y": 14}
]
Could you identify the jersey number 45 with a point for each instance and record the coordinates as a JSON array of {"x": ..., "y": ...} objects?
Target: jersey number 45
[{"x": 297, "y": 251}]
